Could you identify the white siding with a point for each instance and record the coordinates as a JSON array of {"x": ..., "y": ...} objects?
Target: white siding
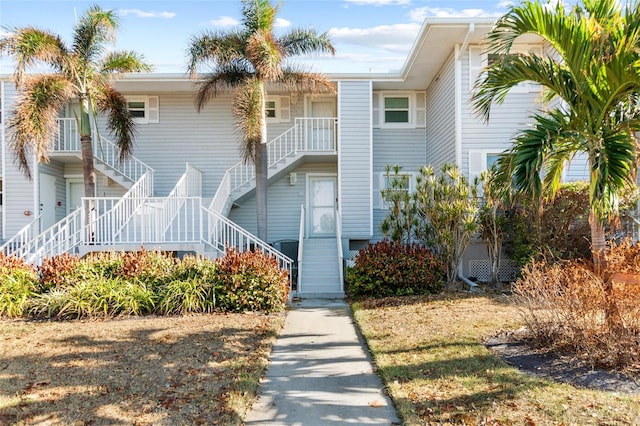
[
  {"x": 577, "y": 169},
  {"x": 56, "y": 169},
  {"x": 441, "y": 120},
  {"x": 19, "y": 194},
  {"x": 354, "y": 163},
  {"x": 207, "y": 140},
  {"x": 283, "y": 204},
  {"x": 504, "y": 123}
]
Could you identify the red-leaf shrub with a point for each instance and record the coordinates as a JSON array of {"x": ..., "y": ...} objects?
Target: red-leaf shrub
[
  {"x": 388, "y": 269},
  {"x": 250, "y": 281}
]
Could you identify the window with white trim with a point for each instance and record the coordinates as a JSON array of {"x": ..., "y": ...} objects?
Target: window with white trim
[
  {"x": 278, "y": 109},
  {"x": 404, "y": 182},
  {"x": 480, "y": 59},
  {"x": 481, "y": 160},
  {"x": 399, "y": 109},
  {"x": 144, "y": 109}
]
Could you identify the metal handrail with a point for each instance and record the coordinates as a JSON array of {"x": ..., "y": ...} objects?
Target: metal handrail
[
  {"x": 340, "y": 252},
  {"x": 300, "y": 247}
]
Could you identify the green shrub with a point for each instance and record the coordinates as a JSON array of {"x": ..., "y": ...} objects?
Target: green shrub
[
  {"x": 392, "y": 269},
  {"x": 191, "y": 287},
  {"x": 186, "y": 296},
  {"x": 251, "y": 281},
  {"x": 557, "y": 229},
  {"x": 95, "y": 296},
  {"x": 17, "y": 287}
]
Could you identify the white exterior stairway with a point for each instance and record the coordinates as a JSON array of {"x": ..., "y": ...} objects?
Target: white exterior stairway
[{"x": 320, "y": 274}]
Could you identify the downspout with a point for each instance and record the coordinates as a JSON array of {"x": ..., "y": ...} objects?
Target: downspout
[
  {"x": 459, "y": 50},
  {"x": 2, "y": 156}
]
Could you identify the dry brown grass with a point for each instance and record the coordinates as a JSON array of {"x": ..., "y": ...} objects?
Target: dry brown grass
[
  {"x": 568, "y": 308},
  {"x": 430, "y": 353},
  {"x": 200, "y": 369}
]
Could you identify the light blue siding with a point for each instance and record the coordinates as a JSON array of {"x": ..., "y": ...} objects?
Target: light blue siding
[
  {"x": 441, "y": 117},
  {"x": 283, "y": 204},
  {"x": 18, "y": 195},
  {"x": 354, "y": 168},
  {"x": 504, "y": 123}
]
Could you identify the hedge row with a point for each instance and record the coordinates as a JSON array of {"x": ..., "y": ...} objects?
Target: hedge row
[{"x": 139, "y": 283}]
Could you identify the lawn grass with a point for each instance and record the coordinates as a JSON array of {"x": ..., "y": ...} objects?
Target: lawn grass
[
  {"x": 429, "y": 351},
  {"x": 196, "y": 369}
]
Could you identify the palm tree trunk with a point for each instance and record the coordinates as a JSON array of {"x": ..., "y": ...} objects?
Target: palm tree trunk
[
  {"x": 261, "y": 190},
  {"x": 261, "y": 164},
  {"x": 613, "y": 319},
  {"x": 87, "y": 166}
]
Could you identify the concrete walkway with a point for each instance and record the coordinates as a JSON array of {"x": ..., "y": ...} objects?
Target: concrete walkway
[{"x": 320, "y": 373}]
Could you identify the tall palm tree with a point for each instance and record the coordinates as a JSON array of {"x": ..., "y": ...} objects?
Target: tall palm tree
[
  {"x": 245, "y": 60},
  {"x": 592, "y": 74},
  {"x": 81, "y": 71}
]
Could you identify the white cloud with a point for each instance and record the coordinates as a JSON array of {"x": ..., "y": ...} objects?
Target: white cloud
[
  {"x": 146, "y": 13},
  {"x": 379, "y": 2},
  {"x": 394, "y": 38},
  {"x": 5, "y": 33},
  {"x": 419, "y": 14},
  {"x": 224, "y": 21},
  {"x": 505, "y": 4},
  {"x": 281, "y": 23}
]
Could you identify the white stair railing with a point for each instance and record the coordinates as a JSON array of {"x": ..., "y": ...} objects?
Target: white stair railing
[
  {"x": 18, "y": 245},
  {"x": 306, "y": 135},
  {"x": 62, "y": 237},
  {"x": 145, "y": 220},
  {"x": 221, "y": 234},
  {"x": 340, "y": 252},
  {"x": 300, "y": 247},
  {"x": 67, "y": 139},
  {"x": 221, "y": 198}
]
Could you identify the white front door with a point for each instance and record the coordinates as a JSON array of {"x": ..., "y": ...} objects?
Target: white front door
[
  {"x": 48, "y": 201},
  {"x": 322, "y": 206},
  {"x": 75, "y": 192},
  {"x": 322, "y": 132}
]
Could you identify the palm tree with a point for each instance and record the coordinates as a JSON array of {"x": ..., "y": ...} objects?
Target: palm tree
[
  {"x": 80, "y": 71},
  {"x": 592, "y": 77},
  {"x": 245, "y": 60}
]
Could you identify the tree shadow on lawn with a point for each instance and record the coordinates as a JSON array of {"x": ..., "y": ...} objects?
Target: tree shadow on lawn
[
  {"x": 181, "y": 370},
  {"x": 451, "y": 389}
]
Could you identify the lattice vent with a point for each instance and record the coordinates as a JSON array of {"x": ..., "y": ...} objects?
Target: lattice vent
[
  {"x": 350, "y": 258},
  {"x": 481, "y": 270}
]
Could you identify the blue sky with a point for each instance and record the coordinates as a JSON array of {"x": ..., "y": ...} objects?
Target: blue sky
[{"x": 369, "y": 35}]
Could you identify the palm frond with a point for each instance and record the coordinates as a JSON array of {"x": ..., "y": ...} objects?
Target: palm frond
[
  {"x": 125, "y": 61},
  {"x": 231, "y": 76},
  {"x": 258, "y": 15},
  {"x": 29, "y": 46},
  {"x": 305, "y": 41},
  {"x": 295, "y": 79},
  {"x": 265, "y": 56},
  {"x": 532, "y": 147},
  {"x": 94, "y": 29},
  {"x": 248, "y": 111},
  {"x": 119, "y": 120},
  {"x": 219, "y": 48},
  {"x": 33, "y": 124}
]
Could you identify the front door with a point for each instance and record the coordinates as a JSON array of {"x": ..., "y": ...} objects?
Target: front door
[
  {"x": 322, "y": 132},
  {"x": 47, "y": 185},
  {"x": 75, "y": 192},
  {"x": 322, "y": 206}
]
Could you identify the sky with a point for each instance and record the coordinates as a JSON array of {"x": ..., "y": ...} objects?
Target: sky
[{"x": 369, "y": 35}]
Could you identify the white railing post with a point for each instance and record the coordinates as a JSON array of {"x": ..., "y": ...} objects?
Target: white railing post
[
  {"x": 340, "y": 251},
  {"x": 300, "y": 248}
]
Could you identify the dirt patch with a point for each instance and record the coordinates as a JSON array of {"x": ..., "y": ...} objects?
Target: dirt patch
[
  {"x": 200, "y": 369},
  {"x": 514, "y": 350}
]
